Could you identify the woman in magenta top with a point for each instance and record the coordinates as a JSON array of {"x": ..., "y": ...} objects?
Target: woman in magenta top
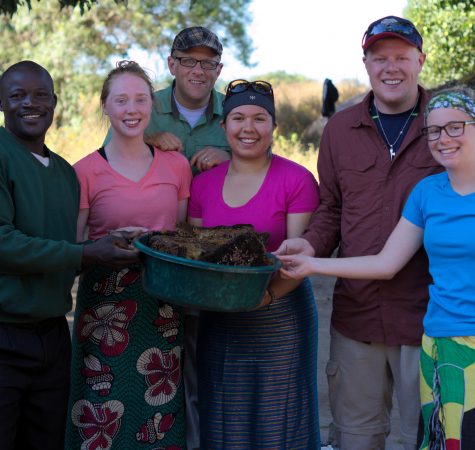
[
  {"x": 127, "y": 388},
  {"x": 257, "y": 370}
]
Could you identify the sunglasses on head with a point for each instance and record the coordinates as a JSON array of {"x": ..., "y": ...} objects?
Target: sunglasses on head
[
  {"x": 259, "y": 86},
  {"x": 392, "y": 25}
]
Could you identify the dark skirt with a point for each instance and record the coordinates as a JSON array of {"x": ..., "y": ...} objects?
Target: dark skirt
[
  {"x": 258, "y": 376},
  {"x": 127, "y": 387}
]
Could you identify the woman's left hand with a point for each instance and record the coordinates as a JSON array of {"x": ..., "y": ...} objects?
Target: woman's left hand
[{"x": 296, "y": 266}]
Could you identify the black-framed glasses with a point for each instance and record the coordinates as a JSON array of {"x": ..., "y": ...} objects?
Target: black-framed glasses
[
  {"x": 260, "y": 86},
  {"x": 394, "y": 25},
  {"x": 452, "y": 129},
  {"x": 206, "y": 64}
]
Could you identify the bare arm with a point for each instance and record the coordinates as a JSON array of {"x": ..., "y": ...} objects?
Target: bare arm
[
  {"x": 182, "y": 210},
  {"x": 296, "y": 224},
  {"x": 196, "y": 222},
  {"x": 401, "y": 245},
  {"x": 82, "y": 231}
]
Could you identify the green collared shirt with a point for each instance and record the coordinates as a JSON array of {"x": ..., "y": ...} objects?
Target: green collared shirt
[{"x": 207, "y": 132}]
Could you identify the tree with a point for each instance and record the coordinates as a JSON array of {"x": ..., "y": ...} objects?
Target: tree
[
  {"x": 10, "y": 7},
  {"x": 448, "y": 29},
  {"x": 77, "y": 47}
]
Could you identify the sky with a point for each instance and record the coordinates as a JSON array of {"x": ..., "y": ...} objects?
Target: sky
[{"x": 315, "y": 38}]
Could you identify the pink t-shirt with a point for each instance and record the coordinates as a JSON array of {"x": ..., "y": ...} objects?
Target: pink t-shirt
[
  {"x": 288, "y": 188},
  {"x": 114, "y": 201}
]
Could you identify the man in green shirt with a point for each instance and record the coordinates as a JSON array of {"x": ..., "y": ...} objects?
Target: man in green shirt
[
  {"x": 39, "y": 259},
  {"x": 186, "y": 115}
]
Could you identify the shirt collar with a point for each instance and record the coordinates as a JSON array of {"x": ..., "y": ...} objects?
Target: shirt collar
[{"x": 215, "y": 106}]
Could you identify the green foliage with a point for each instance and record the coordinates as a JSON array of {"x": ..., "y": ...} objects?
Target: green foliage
[
  {"x": 10, "y": 7},
  {"x": 448, "y": 29},
  {"x": 76, "y": 48},
  {"x": 281, "y": 76}
]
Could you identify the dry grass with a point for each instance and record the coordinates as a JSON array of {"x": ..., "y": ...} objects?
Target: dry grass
[
  {"x": 73, "y": 142},
  {"x": 303, "y": 154},
  {"x": 298, "y": 107}
]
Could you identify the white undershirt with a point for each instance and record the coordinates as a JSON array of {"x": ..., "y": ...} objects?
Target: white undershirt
[
  {"x": 192, "y": 116},
  {"x": 42, "y": 159}
]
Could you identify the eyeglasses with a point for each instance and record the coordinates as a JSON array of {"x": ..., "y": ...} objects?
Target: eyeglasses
[
  {"x": 259, "y": 86},
  {"x": 206, "y": 64},
  {"x": 452, "y": 129},
  {"x": 393, "y": 25}
]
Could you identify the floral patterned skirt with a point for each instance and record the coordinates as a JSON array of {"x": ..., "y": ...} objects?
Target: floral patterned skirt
[{"x": 126, "y": 373}]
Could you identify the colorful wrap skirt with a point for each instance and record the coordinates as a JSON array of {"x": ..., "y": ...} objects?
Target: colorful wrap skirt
[
  {"x": 257, "y": 376},
  {"x": 448, "y": 393},
  {"x": 126, "y": 372}
]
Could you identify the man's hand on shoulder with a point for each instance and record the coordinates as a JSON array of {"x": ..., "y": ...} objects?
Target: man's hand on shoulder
[
  {"x": 209, "y": 157},
  {"x": 165, "y": 141}
]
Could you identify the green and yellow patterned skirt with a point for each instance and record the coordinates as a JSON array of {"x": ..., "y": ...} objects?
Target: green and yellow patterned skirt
[{"x": 448, "y": 393}]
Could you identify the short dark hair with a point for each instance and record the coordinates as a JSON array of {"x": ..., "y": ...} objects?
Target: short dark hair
[{"x": 26, "y": 64}]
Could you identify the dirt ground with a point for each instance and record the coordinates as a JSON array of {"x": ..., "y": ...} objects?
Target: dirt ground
[{"x": 323, "y": 288}]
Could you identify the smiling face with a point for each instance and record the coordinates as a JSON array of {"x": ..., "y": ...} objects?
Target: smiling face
[
  {"x": 249, "y": 130},
  {"x": 393, "y": 68},
  {"x": 454, "y": 153},
  {"x": 193, "y": 84},
  {"x": 128, "y": 105},
  {"x": 27, "y": 100}
]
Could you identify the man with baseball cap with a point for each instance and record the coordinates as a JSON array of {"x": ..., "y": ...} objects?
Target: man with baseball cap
[
  {"x": 186, "y": 115},
  {"x": 371, "y": 155}
]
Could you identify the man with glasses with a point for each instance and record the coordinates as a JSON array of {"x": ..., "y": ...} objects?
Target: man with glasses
[
  {"x": 371, "y": 155},
  {"x": 186, "y": 115}
]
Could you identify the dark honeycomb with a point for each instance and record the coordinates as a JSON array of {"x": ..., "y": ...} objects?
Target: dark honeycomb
[{"x": 238, "y": 245}]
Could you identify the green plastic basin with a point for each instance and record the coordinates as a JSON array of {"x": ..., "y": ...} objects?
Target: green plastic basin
[{"x": 202, "y": 285}]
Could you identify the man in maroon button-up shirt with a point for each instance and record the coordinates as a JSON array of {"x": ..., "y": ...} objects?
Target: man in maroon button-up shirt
[{"x": 371, "y": 156}]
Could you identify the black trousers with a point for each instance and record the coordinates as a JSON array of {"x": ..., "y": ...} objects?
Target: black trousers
[{"x": 34, "y": 384}]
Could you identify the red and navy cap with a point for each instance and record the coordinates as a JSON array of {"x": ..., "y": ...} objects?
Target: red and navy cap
[{"x": 392, "y": 27}]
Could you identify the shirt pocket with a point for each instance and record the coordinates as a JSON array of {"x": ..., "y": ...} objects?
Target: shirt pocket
[{"x": 359, "y": 177}]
